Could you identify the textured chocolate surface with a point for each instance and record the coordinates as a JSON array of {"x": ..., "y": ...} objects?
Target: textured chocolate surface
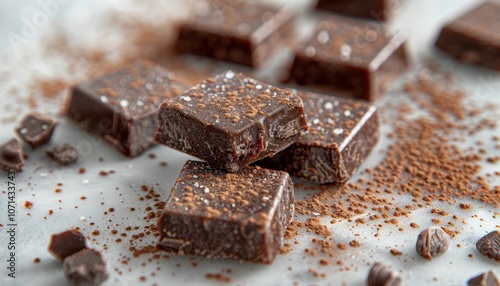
[
  {"x": 239, "y": 31},
  {"x": 474, "y": 37},
  {"x": 11, "y": 156},
  {"x": 381, "y": 275},
  {"x": 489, "y": 245},
  {"x": 67, "y": 243},
  {"x": 381, "y": 10},
  {"x": 217, "y": 214},
  {"x": 351, "y": 57},
  {"x": 231, "y": 121},
  {"x": 342, "y": 132},
  {"x": 432, "y": 242},
  {"x": 85, "y": 268},
  {"x": 63, "y": 154},
  {"x": 485, "y": 279},
  {"x": 36, "y": 129},
  {"x": 122, "y": 107}
]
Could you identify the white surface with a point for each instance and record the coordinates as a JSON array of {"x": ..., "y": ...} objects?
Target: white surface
[{"x": 422, "y": 19}]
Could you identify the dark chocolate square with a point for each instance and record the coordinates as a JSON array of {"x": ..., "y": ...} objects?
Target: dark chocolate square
[
  {"x": 11, "y": 156},
  {"x": 239, "y": 31},
  {"x": 122, "y": 107},
  {"x": 350, "y": 57},
  {"x": 231, "y": 121},
  {"x": 217, "y": 214},
  {"x": 342, "y": 132},
  {"x": 36, "y": 129},
  {"x": 381, "y": 10},
  {"x": 474, "y": 37}
]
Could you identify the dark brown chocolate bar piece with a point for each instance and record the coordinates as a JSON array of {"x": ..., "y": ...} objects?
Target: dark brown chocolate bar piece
[
  {"x": 86, "y": 267},
  {"x": 231, "y": 121},
  {"x": 217, "y": 214},
  {"x": 63, "y": 154},
  {"x": 122, "y": 107},
  {"x": 474, "y": 37},
  {"x": 239, "y": 31},
  {"x": 342, "y": 133},
  {"x": 67, "y": 243},
  {"x": 381, "y": 275},
  {"x": 36, "y": 129},
  {"x": 351, "y": 57},
  {"x": 484, "y": 279},
  {"x": 381, "y": 10},
  {"x": 11, "y": 156}
]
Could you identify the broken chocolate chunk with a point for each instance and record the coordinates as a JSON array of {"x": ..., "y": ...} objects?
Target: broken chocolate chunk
[
  {"x": 67, "y": 243},
  {"x": 473, "y": 37},
  {"x": 36, "y": 129},
  {"x": 381, "y": 10},
  {"x": 484, "y": 279},
  {"x": 63, "y": 154},
  {"x": 231, "y": 121},
  {"x": 217, "y": 214},
  {"x": 432, "y": 242},
  {"x": 349, "y": 57},
  {"x": 489, "y": 245},
  {"x": 239, "y": 31},
  {"x": 122, "y": 107},
  {"x": 86, "y": 267},
  {"x": 381, "y": 275},
  {"x": 342, "y": 132},
  {"x": 11, "y": 156}
]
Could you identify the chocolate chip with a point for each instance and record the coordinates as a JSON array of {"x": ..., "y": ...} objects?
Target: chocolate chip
[
  {"x": 489, "y": 245},
  {"x": 432, "y": 242},
  {"x": 36, "y": 129},
  {"x": 381, "y": 275},
  {"x": 86, "y": 267},
  {"x": 484, "y": 279},
  {"x": 63, "y": 154}
]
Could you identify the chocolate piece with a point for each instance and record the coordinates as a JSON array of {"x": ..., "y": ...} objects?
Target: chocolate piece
[
  {"x": 231, "y": 121},
  {"x": 63, "y": 154},
  {"x": 122, "y": 106},
  {"x": 67, "y": 243},
  {"x": 350, "y": 57},
  {"x": 85, "y": 268},
  {"x": 381, "y": 10},
  {"x": 381, "y": 275},
  {"x": 432, "y": 242},
  {"x": 489, "y": 245},
  {"x": 342, "y": 133},
  {"x": 217, "y": 214},
  {"x": 239, "y": 31},
  {"x": 36, "y": 129},
  {"x": 11, "y": 156},
  {"x": 474, "y": 38},
  {"x": 484, "y": 279}
]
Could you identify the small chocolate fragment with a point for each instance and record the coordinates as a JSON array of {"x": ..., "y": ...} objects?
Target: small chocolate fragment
[
  {"x": 381, "y": 275},
  {"x": 432, "y": 242},
  {"x": 66, "y": 243},
  {"x": 489, "y": 245},
  {"x": 342, "y": 132},
  {"x": 350, "y": 57},
  {"x": 36, "y": 129},
  {"x": 216, "y": 214},
  {"x": 239, "y": 31},
  {"x": 85, "y": 268},
  {"x": 63, "y": 154},
  {"x": 122, "y": 107},
  {"x": 473, "y": 37},
  {"x": 231, "y": 121},
  {"x": 381, "y": 10},
  {"x": 484, "y": 279},
  {"x": 11, "y": 156}
]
